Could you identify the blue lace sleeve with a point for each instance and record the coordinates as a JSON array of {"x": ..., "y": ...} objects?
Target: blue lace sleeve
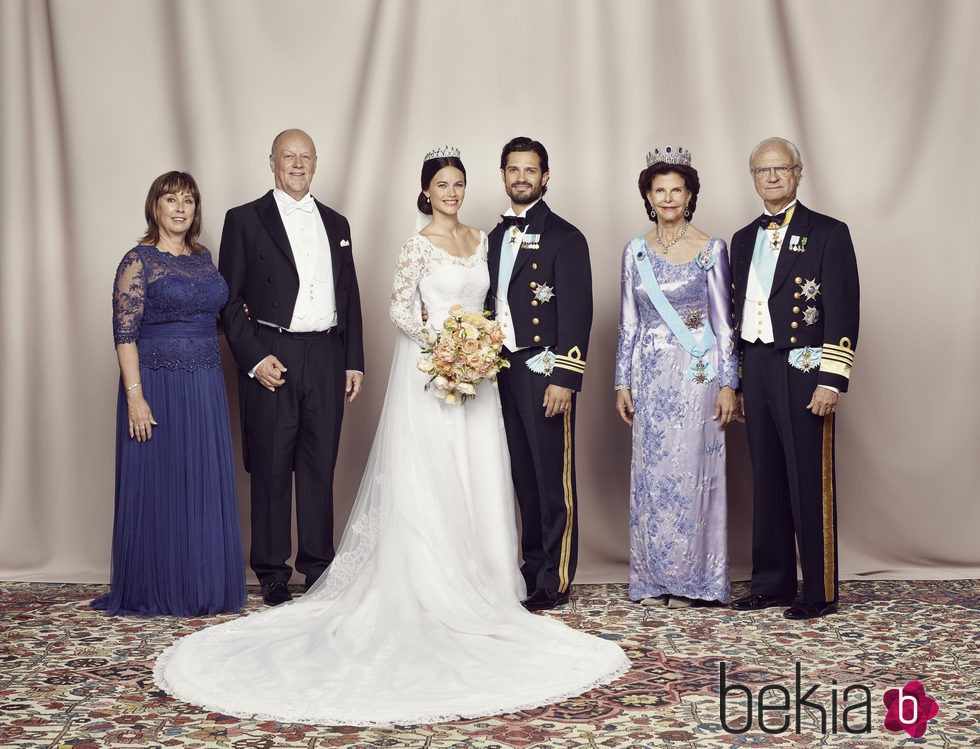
[{"x": 128, "y": 298}]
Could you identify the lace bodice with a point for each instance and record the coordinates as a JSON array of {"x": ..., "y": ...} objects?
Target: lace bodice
[
  {"x": 167, "y": 305},
  {"x": 429, "y": 274}
]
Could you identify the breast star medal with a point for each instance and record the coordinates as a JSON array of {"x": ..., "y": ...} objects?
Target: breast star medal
[
  {"x": 810, "y": 288},
  {"x": 543, "y": 293},
  {"x": 811, "y": 315}
]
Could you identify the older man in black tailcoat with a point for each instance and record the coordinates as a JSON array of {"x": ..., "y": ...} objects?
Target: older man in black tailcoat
[{"x": 293, "y": 321}]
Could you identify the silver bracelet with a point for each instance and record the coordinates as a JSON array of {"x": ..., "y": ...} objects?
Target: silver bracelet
[{"x": 133, "y": 386}]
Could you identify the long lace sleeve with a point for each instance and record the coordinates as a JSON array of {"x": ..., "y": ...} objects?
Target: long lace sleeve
[
  {"x": 128, "y": 298},
  {"x": 720, "y": 309},
  {"x": 628, "y": 322},
  {"x": 406, "y": 307}
]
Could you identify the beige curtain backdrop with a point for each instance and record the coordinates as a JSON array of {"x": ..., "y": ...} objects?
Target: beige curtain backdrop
[{"x": 100, "y": 97}]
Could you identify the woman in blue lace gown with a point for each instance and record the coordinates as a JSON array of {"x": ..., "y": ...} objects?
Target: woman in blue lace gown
[
  {"x": 176, "y": 544},
  {"x": 676, "y": 375}
]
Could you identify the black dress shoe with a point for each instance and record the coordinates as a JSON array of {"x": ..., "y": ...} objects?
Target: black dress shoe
[
  {"x": 275, "y": 593},
  {"x": 542, "y": 599},
  {"x": 810, "y": 610},
  {"x": 756, "y": 602}
]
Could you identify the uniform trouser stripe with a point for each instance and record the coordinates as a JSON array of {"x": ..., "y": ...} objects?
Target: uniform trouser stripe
[
  {"x": 829, "y": 561},
  {"x": 566, "y": 480}
]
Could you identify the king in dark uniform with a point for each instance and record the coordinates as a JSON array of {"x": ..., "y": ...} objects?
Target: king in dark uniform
[{"x": 795, "y": 287}]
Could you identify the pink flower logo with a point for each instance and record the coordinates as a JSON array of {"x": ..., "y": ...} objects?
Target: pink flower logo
[{"x": 909, "y": 709}]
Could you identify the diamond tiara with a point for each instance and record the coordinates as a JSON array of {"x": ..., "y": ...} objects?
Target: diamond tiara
[
  {"x": 442, "y": 152},
  {"x": 669, "y": 155}
]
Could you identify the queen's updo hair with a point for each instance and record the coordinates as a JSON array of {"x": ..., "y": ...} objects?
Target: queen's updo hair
[
  {"x": 688, "y": 173},
  {"x": 431, "y": 167}
]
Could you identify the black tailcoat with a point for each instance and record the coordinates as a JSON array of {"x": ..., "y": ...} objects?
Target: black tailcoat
[{"x": 297, "y": 428}]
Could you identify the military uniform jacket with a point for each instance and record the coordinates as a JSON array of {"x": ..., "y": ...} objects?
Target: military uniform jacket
[
  {"x": 550, "y": 292},
  {"x": 814, "y": 297},
  {"x": 258, "y": 265}
]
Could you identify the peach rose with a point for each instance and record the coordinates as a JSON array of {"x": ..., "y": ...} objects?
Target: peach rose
[{"x": 475, "y": 319}]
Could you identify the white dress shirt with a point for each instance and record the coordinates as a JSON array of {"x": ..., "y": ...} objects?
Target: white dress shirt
[
  {"x": 316, "y": 304},
  {"x": 513, "y": 238}
]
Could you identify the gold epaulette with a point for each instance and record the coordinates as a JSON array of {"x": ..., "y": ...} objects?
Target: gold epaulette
[
  {"x": 838, "y": 358},
  {"x": 571, "y": 361}
]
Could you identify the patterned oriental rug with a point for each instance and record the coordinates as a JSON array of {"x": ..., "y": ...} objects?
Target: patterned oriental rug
[{"x": 71, "y": 677}]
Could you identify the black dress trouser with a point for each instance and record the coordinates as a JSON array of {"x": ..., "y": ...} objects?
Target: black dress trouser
[{"x": 295, "y": 430}]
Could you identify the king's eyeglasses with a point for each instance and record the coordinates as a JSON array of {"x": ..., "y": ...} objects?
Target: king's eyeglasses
[{"x": 765, "y": 171}]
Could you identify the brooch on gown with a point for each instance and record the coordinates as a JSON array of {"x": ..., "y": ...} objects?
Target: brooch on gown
[
  {"x": 694, "y": 319},
  {"x": 706, "y": 258}
]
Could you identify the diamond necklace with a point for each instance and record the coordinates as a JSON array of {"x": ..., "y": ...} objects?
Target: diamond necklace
[{"x": 672, "y": 242}]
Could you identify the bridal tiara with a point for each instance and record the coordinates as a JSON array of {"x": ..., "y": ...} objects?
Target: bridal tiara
[
  {"x": 669, "y": 155},
  {"x": 442, "y": 152}
]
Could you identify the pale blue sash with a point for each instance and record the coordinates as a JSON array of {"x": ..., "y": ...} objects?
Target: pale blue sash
[
  {"x": 764, "y": 261},
  {"x": 700, "y": 369}
]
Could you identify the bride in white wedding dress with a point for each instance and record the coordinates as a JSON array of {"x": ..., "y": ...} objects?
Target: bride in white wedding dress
[{"x": 418, "y": 619}]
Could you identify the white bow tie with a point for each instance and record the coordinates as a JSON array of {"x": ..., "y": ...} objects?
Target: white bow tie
[{"x": 305, "y": 205}]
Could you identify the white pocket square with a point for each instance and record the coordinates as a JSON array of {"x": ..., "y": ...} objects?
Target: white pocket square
[{"x": 344, "y": 243}]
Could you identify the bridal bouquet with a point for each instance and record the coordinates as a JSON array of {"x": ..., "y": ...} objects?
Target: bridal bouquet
[{"x": 463, "y": 353}]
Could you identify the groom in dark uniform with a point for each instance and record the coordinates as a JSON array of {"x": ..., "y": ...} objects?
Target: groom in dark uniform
[
  {"x": 293, "y": 321},
  {"x": 795, "y": 283},
  {"x": 541, "y": 292}
]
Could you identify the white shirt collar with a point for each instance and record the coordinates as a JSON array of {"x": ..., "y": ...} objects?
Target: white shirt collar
[
  {"x": 783, "y": 209},
  {"x": 284, "y": 199},
  {"x": 522, "y": 214}
]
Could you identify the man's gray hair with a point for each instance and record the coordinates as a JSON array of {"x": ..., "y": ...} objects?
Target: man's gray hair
[{"x": 788, "y": 145}]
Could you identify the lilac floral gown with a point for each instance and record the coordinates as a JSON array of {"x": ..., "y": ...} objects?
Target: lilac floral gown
[
  {"x": 678, "y": 524},
  {"x": 176, "y": 543}
]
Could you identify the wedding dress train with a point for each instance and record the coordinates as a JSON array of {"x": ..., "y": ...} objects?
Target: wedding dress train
[{"x": 418, "y": 619}]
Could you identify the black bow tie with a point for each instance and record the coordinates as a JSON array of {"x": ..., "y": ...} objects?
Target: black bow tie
[
  {"x": 519, "y": 221},
  {"x": 765, "y": 219}
]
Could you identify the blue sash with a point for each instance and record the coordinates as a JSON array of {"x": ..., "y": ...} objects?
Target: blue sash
[
  {"x": 764, "y": 261},
  {"x": 700, "y": 369}
]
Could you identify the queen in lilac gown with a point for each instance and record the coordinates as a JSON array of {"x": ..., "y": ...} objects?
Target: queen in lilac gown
[{"x": 678, "y": 523}]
